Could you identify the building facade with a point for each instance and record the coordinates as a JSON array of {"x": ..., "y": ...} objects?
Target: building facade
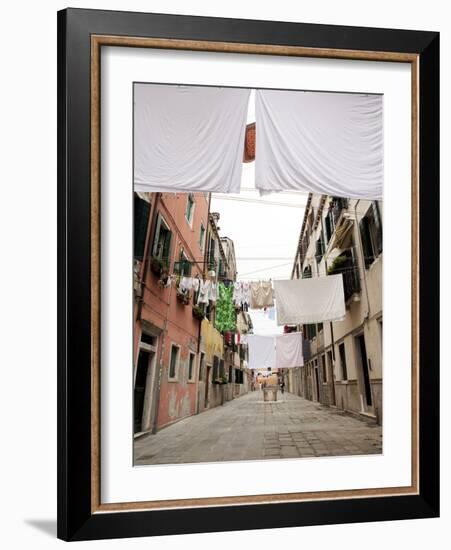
[
  {"x": 222, "y": 375},
  {"x": 343, "y": 360},
  {"x": 229, "y": 251},
  {"x": 175, "y": 340}
]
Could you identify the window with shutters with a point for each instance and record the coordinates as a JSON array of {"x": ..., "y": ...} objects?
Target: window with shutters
[
  {"x": 201, "y": 237},
  {"x": 183, "y": 266},
  {"x": 201, "y": 366},
  {"x": 328, "y": 226},
  {"x": 174, "y": 362},
  {"x": 344, "y": 368},
  {"x": 215, "y": 367},
  {"x": 162, "y": 241},
  {"x": 323, "y": 368},
  {"x": 211, "y": 254},
  {"x": 141, "y": 211},
  {"x": 191, "y": 366},
  {"x": 189, "y": 213},
  {"x": 310, "y": 331},
  {"x": 371, "y": 233},
  {"x": 319, "y": 248}
]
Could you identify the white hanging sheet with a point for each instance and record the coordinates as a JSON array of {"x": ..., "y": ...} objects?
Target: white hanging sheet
[
  {"x": 262, "y": 351},
  {"x": 326, "y": 143},
  {"x": 289, "y": 351},
  {"x": 188, "y": 138},
  {"x": 312, "y": 300}
]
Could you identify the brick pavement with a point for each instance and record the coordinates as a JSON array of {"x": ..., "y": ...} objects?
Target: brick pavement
[{"x": 249, "y": 429}]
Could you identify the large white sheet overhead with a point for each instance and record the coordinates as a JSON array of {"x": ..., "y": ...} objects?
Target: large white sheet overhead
[
  {"x": 262, "y": 351},
  {"x": 289, "y": 351},
  {"x": 312, "y": 300},
  {"x": 188, "y": 138},
  {"x": 326, "y": 143}
]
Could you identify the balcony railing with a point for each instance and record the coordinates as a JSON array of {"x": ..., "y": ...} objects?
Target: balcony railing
[{"x": 348, "y": 268}]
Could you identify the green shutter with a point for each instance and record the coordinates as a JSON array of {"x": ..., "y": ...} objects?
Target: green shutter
[
  {"x": 378, "y": 225},
  {"x": 167, "y": 248},
  {"x": 366, "y": 242},
  {"x": 141, "y": 213}
]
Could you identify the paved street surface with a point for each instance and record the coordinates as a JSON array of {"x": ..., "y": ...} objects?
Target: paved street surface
[{"x": 249, "y": 429}]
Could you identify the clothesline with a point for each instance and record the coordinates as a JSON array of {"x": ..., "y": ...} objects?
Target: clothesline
[
  {"x": 337, "y": 270},
  {"x": 298, "y": 301},
  {"x": 257, "y": 201}
]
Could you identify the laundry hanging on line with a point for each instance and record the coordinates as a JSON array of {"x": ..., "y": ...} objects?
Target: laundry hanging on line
[
  {"x": 225, "y": 310},
  {"x": 261, "y": 294},
  {"x": 243, "y": 322},
  {"x": 282, "y": 351},
  {"x": 262, "y": 352},
  {"x": 188, "y": 138},
  {"x": 292, "y": 301},
  {"x": 319, "y": 142},
  {"x": 191, "y": 138},
  {"x": 314, "y": 300},
  {"x": 289, "y": 350},
  {"x": 241, "y": 294},
  {"x": 270, "y": 312}
]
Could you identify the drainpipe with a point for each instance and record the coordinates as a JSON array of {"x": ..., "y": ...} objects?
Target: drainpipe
[{"x": 205, "y": 262}]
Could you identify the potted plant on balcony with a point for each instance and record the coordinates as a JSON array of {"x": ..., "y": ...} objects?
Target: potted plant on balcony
[
  {"x": 183, "y": 297},
  {"x": 157, "y": 266},
  {"x": 198, "y": 312},
  {"x": 221, "y": 380},
  {"x": 337, "y": 265},
  {"x": 164, "y": 281}
]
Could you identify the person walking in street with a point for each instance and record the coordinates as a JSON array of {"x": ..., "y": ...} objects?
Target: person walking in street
[{"x": 282, "y": 386}]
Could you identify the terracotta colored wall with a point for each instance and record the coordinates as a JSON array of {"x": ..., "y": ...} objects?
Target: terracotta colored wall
[{"x": 162, "y": 309}]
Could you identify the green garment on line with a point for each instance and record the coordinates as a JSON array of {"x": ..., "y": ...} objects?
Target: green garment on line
[{"x": 225, "y": 310}]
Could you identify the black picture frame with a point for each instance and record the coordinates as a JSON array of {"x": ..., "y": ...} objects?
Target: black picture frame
[{"x": 76, "y": 519}]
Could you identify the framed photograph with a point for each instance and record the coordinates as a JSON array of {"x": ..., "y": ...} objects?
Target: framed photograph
[{"x": 248, "y": 274}]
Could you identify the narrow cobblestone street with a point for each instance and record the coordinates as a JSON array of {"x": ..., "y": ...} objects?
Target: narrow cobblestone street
[{"x": 249, "y": 429}]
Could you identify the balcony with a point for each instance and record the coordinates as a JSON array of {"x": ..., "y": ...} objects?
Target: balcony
[
  {"x": 347, "y": 266},
  {"x": 183, "y": 268}
]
